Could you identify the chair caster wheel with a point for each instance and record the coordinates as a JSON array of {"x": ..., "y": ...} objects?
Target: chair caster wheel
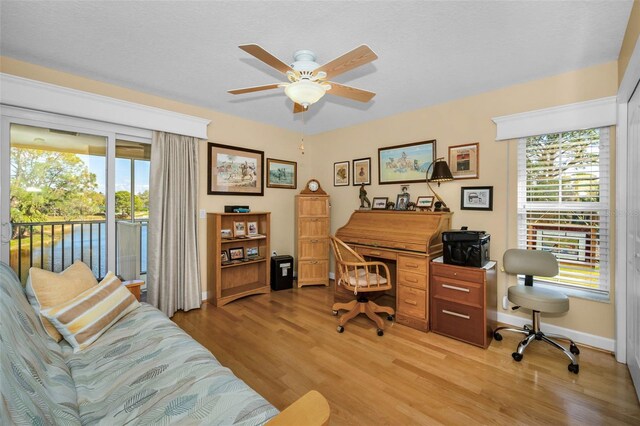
[
  {"x": 497, "y": 336},
  {"x": 516, "y": 356},
  {"x": 380, "y": 332},
  {"x": 574, "y": 368},
  {"x": 340, "y": 329},
  {"x": 574, "y": 350},
  {"x": 389, "y": 317},
  {"x": 334, "y": 312}
]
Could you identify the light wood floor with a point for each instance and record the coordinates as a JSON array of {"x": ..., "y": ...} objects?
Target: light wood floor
[{"x": 285, "y": 343}]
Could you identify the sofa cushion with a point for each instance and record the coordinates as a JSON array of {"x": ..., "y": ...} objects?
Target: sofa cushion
[
  {"x": 84, "y": 318},
  {"x": 46, "y": 289},
  {"x": 146, "y": 370},
  {"x": 37, "y": 387}
]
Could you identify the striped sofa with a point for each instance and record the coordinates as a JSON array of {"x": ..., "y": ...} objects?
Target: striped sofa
[{"x": 143, "y": 370}]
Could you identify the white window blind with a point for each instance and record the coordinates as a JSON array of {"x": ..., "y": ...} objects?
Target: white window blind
[{"x": 563, "y": 204}]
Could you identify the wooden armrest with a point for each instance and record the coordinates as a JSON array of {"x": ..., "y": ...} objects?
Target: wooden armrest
[{"x": 311, "y": 409}]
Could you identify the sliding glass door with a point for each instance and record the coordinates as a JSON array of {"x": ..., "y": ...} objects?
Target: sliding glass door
[{"x": 66, "y": 186}]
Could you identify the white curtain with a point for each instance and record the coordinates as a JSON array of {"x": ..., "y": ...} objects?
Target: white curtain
[{"x": 173, "y": 277}]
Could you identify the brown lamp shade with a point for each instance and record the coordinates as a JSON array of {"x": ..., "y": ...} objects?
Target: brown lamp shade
[{"x": 441, "y": 171}]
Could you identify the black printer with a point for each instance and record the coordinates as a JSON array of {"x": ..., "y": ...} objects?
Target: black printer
[{"x": 466, "y": 248}]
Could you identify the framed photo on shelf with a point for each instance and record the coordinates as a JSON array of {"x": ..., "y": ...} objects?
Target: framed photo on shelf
[
  {"x": 341, "y": 173},
  {"x": 252, "y": 229},
  {"x": 224, "y": 256},
  {"x": 379, "y": 203},
  {"x": 402, "y": 201},
  {"x": 476, "y": 198},
  {"x": 236, "y": 253},
  {"x": 226, "y": 233},
  {"x": 464, "y": 161},
  {"x": 362, "y": 171},
  {"x": 405, "y": 163},
  {"x": 252, "y": 251},
  {"x": 282, "y": 174},
  {"x": 239, "y": 229},
  {"x": 234, "y": 171},
  {"x": 425, "y": 202}
]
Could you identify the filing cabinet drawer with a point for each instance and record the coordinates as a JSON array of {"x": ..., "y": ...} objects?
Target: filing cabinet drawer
[
  {"x": 458, "y": 321},
  {"x": 313, "y": 206},
  {"x": 411, "y": 302},
  {"x": 313, "y": 248},
  {"x": 467, "y": 292},
  {"x": 457, "y": 272},
  {"x": 412, "y": 279},
  {"x": 313, "y": 271},
  {"x": 410, "y": 263},
  {"x": 313, "y": 227}
]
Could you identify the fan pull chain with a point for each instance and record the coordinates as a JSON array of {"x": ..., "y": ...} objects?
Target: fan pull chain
[{"x": 302, "y": 137}]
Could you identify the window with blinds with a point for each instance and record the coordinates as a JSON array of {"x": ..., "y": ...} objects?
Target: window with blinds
[{"x": 563, "y": 204}]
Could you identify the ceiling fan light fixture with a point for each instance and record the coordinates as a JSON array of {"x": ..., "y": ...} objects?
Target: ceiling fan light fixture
[{"x": 305, "y": 92}]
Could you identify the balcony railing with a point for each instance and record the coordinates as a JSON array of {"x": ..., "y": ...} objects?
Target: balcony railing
[{"x": 56, "y": 245}]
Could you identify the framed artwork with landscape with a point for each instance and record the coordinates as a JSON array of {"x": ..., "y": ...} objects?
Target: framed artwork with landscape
[
  {"x": 234, "y": 171},
  {"x": 405, "y": 163},
  {"x": 476, "y": 198},
  {"x": 362, "y": 171},
  {"x": 341, "y": 173},
  {"x": 282, "y": 174},
  {"x": 464, "y": 161}
]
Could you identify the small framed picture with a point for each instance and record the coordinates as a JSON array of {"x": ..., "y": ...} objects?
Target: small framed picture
[
  {"x": 252, "y": 251},
  {"x": 224, "y": 256},
  {"x": 476, "y": 198},
  {"x": 341, "y": 173},
  {"x": 252, "y": 228},
  {"x": 239, "y": 229},
  {"x": 379, "y": 203},
  {"x": 226, "y": 233},
  {"x": 425, "y": 202},
  {"x": 402, "y": 201},
  {"x": 464, "y": 161},
  {"x": 236, "y": 253},
  {"x": 362, "y": 171},
  {"x": 281, "y": 174}
]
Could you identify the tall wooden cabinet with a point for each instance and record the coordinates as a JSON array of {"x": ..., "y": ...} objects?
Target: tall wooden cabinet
[
  {"x": 235, "y": 278},
  {"x": 312, "y": 235}
]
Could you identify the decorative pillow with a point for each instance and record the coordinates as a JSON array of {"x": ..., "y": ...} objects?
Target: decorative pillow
[
  {"x": 87, "y": 316},
  {"x": 46, "y": 289}
]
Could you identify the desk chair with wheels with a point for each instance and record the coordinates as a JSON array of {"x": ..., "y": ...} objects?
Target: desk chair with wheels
[
  {"x": 540, "y": 263},
  {"x": 361, "y": 277}
]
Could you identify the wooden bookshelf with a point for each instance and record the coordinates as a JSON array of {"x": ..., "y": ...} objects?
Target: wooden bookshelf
[{"x": 227, "y": 281}]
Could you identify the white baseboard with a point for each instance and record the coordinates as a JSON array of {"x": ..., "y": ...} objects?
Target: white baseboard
[
  {"x": 204, "y": 296},
  {"x": 332, "y": 275},
  {"x": 577, "y": 336}
]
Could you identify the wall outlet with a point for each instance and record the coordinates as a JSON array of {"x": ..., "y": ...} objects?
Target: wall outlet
[
  {"x": 203, "y": 214},
  {"x": 273, "y": 253}
]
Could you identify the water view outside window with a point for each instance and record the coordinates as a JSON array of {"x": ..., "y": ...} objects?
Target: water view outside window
[{"x": 58, "y": 199}]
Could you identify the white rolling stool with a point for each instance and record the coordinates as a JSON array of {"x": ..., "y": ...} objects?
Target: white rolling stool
[{"x": 532, "y": 263}]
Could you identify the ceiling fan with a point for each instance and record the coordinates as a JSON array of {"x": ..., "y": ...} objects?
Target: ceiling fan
[{"x": 308, "y": 80}]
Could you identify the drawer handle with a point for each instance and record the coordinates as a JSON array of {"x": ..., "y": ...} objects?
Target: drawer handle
[
  {"x": 411, "y": 280},
  {"x": 455, "y": 314},
  {"x": 375, "y": 253},
  {"x": 410, "y": 302},
  {"x": 314, "y": 241},
  {"x": 412, "y": 265},
  {"x": 314, "y": 262},
  {"x": 453, "y": 287}
]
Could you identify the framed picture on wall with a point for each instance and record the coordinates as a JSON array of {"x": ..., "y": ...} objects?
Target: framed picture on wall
[
  {"x": 234, "y": 171},
  {"x": 282, "y": 174},
  {"x": 405, "y": 163},
  {"x": 464, "y": 161},
  {"x": 362, "y": 171},
  {"x": 476, "y": 198},
  {"x": 341, "y": 173}
]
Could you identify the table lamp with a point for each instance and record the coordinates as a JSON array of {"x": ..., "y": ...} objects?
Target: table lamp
[{"x": 441, "y": 173}]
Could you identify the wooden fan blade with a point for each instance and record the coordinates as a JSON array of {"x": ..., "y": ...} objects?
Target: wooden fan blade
[
  {"x": 266, "y": 57},
  {"x": 350, "y": 92},
  {"x": 297, "y": 108},
  {"x": 359, "y": 56},
  {"x": 254, "y": 89}
]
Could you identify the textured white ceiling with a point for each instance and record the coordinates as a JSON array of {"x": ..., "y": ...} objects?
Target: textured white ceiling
[{"x": 429, "y": 51}]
